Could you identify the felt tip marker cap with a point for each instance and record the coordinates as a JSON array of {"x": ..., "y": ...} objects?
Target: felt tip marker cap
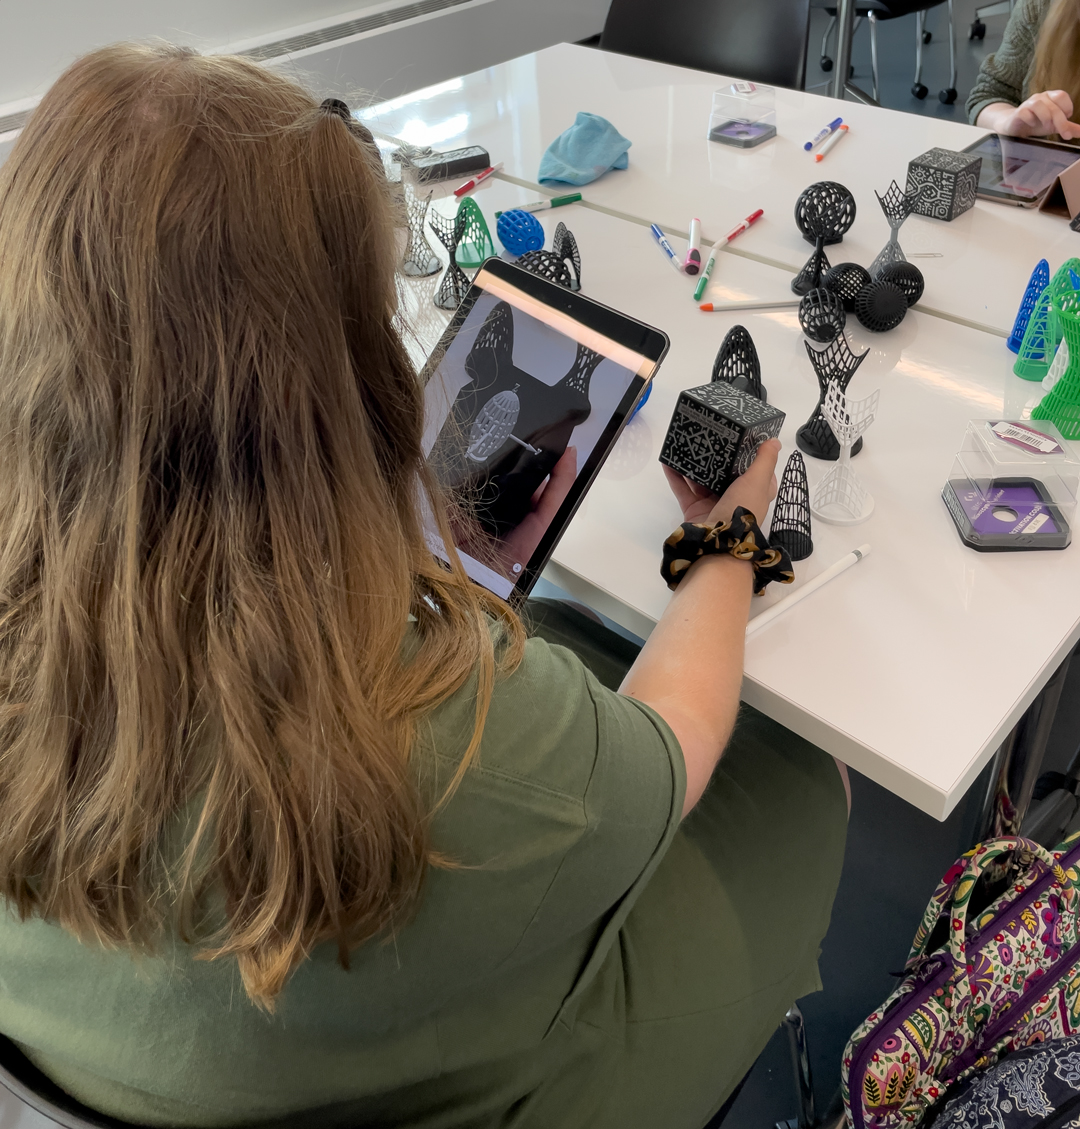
[
  {"x": 820, "y": 136},
  {"x": 831, "y": 143},
  {"x": 692, "y": 262}
]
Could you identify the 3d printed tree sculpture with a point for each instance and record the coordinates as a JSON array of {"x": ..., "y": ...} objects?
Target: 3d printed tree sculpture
[
  {"x": 845, "y": 280},
  {"x": 737, "y": 364},
  {"x": 1061, "y": 405},
  {"x": 897, "y": 206},
  {"x": 823, "y": 213},
  {"x": 835, "y": 364},
  {"x": 821, "y": 315},
  {"x": 790, "y": 527},
  {"x": 1037, "y": 283},
  {"x": 841, "y": 498},
  {"x": 1043, "y": 334},
  {"x": 420, "y": 261},
  {"x": 562, "y": 264},
  {"x": 475, "y": 244},
  {"x": 454, "y": 281}
]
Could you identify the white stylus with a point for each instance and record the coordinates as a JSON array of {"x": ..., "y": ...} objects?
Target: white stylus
[{"x": 781, "y": 606}]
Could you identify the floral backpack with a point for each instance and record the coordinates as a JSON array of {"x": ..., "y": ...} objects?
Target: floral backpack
[{"x": 972, "y": 990}]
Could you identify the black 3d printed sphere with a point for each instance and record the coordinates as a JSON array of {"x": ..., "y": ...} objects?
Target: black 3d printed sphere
[
  {"x": 880, "y": 306},
  {"x": 845, "y": 280},
  {"x": 906, "y": 277},
  {"x": 825, "y": 210},
  {"x": 821, "y": 315}
]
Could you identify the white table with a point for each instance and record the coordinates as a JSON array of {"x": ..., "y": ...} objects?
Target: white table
[
  {"x": 516, "y": 109},
  {"x": 907, "y": 668}
]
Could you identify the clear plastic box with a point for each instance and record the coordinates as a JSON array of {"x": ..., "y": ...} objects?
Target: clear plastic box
[
  {"x": 743, "y": 114},
  {"x": 1013, "y": 486}
]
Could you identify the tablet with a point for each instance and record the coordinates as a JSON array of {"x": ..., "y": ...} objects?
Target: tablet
[
  {"x": 524, "y": 397},
  {"x": 1020, "y": 170}
]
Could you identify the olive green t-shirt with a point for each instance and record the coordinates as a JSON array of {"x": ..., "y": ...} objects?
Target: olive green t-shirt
[{"x": 457, "y": 1019}]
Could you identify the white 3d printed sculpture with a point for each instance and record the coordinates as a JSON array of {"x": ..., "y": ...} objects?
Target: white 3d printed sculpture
[
  {"x": 841, "y": 498},
  {"x": 1057, "y": 366}
]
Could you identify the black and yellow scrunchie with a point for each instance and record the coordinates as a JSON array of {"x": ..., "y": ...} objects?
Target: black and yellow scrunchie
[{"x": 740, "y": 537}]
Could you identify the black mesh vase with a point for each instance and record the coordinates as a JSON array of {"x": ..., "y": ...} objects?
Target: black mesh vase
[
  {"x": 737, "y": 364},
  {"x": 845, "y": 280},
  {"x": 821, "y": 315},
  {"x": 836, "y": 362},
  {"x": 562, "y": 264},
  {"x": 454, "y": 281},
  {"x": 790, "y": 527}
]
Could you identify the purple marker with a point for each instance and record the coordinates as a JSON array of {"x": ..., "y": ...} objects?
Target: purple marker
[{"x": 832, "y": 127}]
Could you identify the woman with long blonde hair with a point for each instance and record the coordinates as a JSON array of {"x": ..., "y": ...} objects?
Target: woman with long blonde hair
[
  {"x": 1030, "y": 87},
  {"x": 292, "y": 816}
]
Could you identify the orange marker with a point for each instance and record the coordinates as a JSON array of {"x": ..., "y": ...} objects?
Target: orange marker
[
  {"x": 715, "y": 308},
  {"x": 830, "y": 143}
]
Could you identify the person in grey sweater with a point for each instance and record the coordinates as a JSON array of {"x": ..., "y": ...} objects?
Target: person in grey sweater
[{"x": 1028, "y": 87}]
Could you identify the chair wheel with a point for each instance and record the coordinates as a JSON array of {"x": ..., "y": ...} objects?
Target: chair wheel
[
  {"x": 919, "y": 90},
  {"x": 947, "y": 96},
  {"x": 851, "y": 72},
  {"x": 826, "y": 63},
  {"x": 977, "y": 30},
  {"x": 927, "y": 36}
]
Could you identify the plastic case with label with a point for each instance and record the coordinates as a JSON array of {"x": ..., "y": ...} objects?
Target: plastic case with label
[
  {"x": 1013, "y": 486},
  {"x": 743, "y": 114}
]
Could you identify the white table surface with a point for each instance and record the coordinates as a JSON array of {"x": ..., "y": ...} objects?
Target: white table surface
[{"x": 517, "y": 109}]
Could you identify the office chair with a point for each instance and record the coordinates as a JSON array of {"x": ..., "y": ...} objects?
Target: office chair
[
  {"x": 877, "y": 10},
  {"x": 762, "y": 42}
]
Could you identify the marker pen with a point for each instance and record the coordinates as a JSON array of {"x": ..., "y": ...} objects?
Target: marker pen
[
  {"x": 692, "y": 262},
  {"x": 831, "y": 143},
  {"x": 543, "y": 205},
  {"x": 820, "y": 137},
  {"x": 469, "y": 185},
  {"x": 665, "y": 246},
  {"x": 738, "y": 229}
]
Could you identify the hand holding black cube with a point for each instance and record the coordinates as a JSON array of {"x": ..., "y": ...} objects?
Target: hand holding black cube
[{"x": 715, "y": 432}]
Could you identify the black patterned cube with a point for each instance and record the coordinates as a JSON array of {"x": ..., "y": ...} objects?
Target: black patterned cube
[
  {"x": 715, "y": 433},
  {"x": 946, "y": 182}
]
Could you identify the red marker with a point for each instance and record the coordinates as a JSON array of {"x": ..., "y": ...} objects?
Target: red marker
[{"x": 469, "y": 185}]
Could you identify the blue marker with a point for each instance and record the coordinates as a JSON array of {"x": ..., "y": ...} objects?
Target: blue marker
[
  {"x": 665, "y": 246},
  {"x": 832, "y": 127}
]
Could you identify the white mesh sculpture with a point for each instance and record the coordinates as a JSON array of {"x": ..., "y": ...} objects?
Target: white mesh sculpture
[
  {"x": 841, "y": 498},
  {"x": 1057, "y": 367},
  {"x": 419, "y": 260},
  {"x": 493, "y": 425}
]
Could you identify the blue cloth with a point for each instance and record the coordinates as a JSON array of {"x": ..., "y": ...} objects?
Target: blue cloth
[{"x": 585, "y": 151}]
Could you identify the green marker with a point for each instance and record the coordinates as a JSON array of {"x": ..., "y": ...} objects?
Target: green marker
[
  {"x": 738, "y": 229},
  {"x": 543, "y": 205}
]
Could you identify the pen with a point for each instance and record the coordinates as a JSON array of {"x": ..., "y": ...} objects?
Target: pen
[
  {"x": 819, "y": 137},
  {"x": 830, "y": 143},
  {"x": 665, "y": 246},
  {"x": 738, "y": 229},
  {"x": 781, "y": 606},
  {"x": 692, "y": 262},
  {"x": 722, "y": 307},
  {"x": 469, "y": 185},
  {"x": 543, "y": 205}
]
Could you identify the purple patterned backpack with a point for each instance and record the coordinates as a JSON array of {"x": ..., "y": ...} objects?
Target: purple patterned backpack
[{"x": 1007, "y": 979}]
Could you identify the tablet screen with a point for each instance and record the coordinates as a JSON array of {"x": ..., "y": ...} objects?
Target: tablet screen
[
  {"x": 1019, "y": 169},
  {"x": 524, "y": 397}
]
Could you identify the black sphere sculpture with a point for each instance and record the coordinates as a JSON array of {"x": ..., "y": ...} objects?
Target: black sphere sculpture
[
  {"x": 790, "y": 527},
  {"x": 845, "y": 280},
  {"x": 825, "y": 210},
  {"x": 821, "y": 315},
  {"x": 906, "y": 277},
  {"x": 880, "y": 306},
  {"x": 836, "y": 362},
  {"x": 737, "y": 364}
]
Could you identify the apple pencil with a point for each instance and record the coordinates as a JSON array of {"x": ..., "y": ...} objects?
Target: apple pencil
[
  {"x": 831, "y": 143},
  {"x": 781, "y": 606},
  {"x": 738, "y": 229}
]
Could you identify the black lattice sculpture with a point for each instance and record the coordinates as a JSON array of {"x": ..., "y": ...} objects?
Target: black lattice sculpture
[
  {"x": 562, "y": 264},
  {"x": 835, "y": 363},
  {"x": 897, "y": 206},
  {"x": 821, "y": 315},
  {"x": 715, "y": 432},
  {"x": 737, "y": 364},
  {"x": 880, "y": 306},
  {"x": 845, "y": 280},
  {"x": 825, "y": 210},
  {"x": 419, "y": 261},
  {"x": 809, "y": 278},
  {"x": 790, "y": 527},
  {"x": 906, "y": 277},
  {"x": 455, "y": 281}
]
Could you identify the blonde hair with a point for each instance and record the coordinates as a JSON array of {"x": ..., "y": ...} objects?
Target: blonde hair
[
  {"x": 211, "y": 522},
  {"x": 1057, "y": 52}
]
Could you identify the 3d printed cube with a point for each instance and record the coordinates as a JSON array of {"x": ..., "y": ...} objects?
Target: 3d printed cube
[
  {"x": 715, "y": 432},
  {"x": 949, "y": 182}
]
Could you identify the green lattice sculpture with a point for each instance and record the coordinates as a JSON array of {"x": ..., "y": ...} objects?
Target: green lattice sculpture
[
  {"x": 476, "y": 243},
  {"x": 1043, "y": 334},
  {"x": 1061, "y": 405}
]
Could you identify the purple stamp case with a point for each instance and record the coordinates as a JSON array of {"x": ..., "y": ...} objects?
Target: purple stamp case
[{"x": 1010, "y": 514}]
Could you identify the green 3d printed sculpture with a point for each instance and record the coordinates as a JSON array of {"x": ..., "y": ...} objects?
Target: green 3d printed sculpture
[
  {"x": 1061, "y": 405},
  {"x": 476, "y": 243},
  {"x": 1043, "y": 334}
]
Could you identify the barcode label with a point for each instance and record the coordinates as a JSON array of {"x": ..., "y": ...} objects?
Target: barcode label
[{"x": 1026, "y": 437}]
